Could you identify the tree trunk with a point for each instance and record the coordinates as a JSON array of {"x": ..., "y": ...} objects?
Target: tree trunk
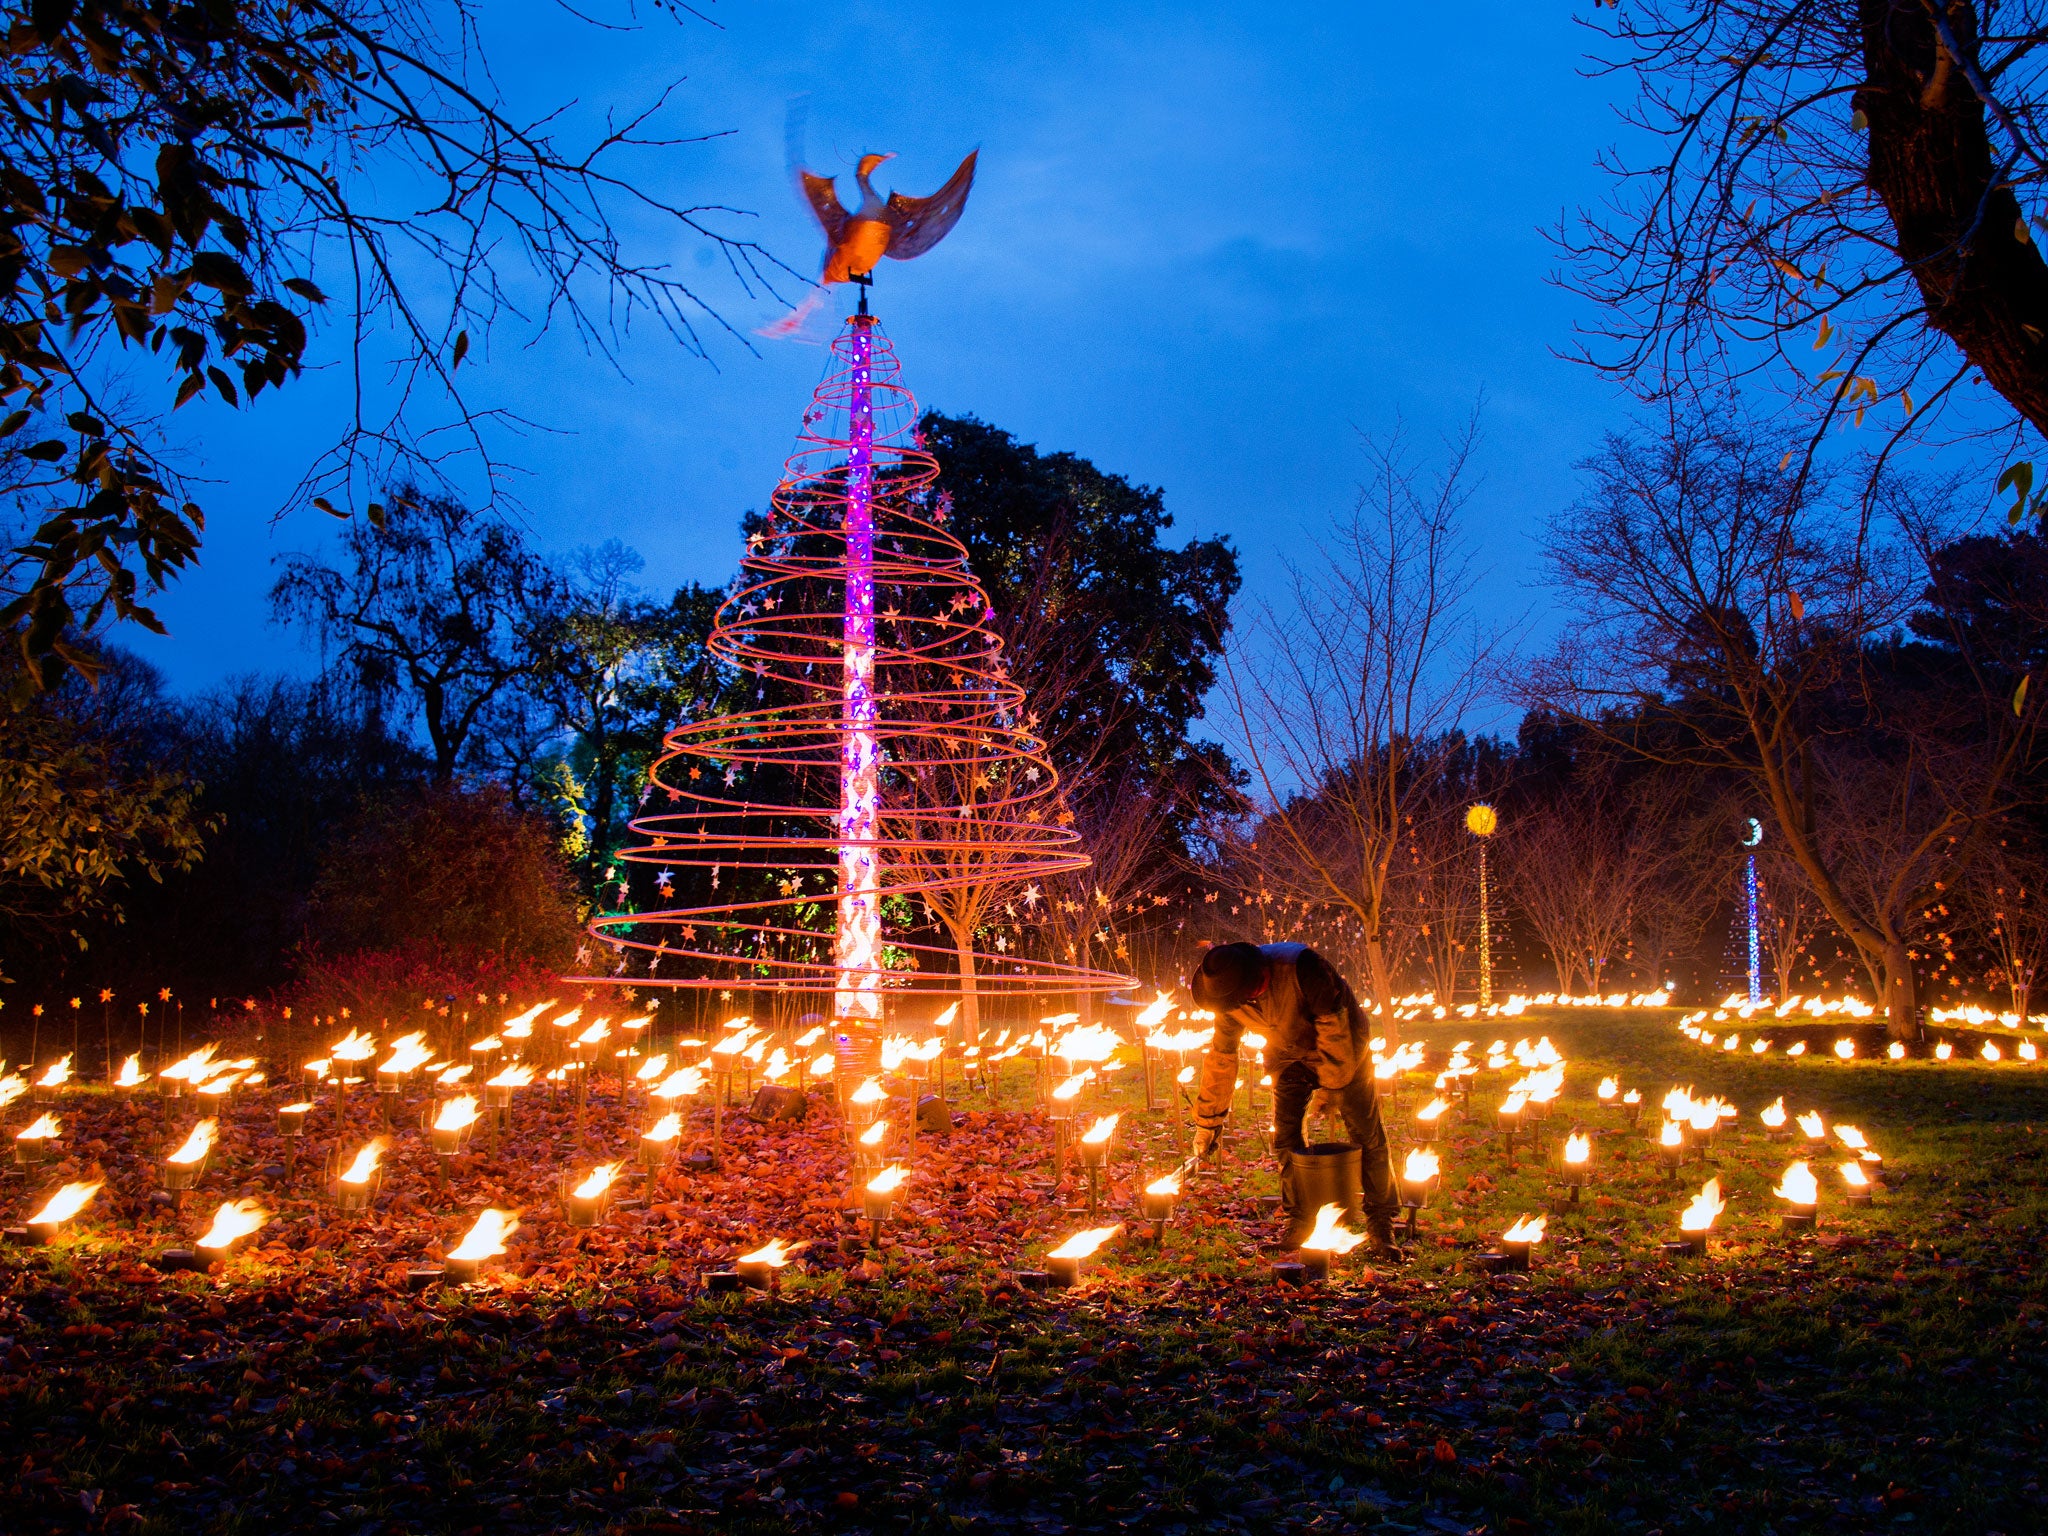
[
  {"x": 1931, "y": 163},
  {"x": 970, "y": 1000},
  {"x": 1382, "y": 991},
  {"x": 1901, "y": 993}
]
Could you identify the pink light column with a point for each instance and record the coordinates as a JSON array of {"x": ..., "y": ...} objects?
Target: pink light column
[{"x": 858, "y": 943}]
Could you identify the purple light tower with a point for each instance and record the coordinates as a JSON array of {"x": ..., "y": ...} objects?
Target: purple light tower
[{"x": 858, "y": 943}]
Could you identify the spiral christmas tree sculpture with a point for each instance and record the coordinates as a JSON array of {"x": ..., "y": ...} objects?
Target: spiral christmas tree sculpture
[{"x": 881, "y": 768}]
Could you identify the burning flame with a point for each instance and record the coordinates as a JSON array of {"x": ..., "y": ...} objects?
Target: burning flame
[
  {"x": 1845, "y": 1048},
  {"x": 1895, "y": 1051},
  {"x": 1810, "y": 1123},
  {"x": 1169, "y": 1185},
  {"x": 488, "y": 1043},
  {"x": 774, "y": 1253},
  {"x": 236, "y": 1219},
  {"x": 1608, "y": 1088},
  {"x": 1329, "y": 1235},
  {"x": 1512, "y": 1104},
  {"x": 1706, "y": 1115},
  {"x": 1529, "y": 1229},
  {"x": 1082, "y": 1244},
  {"x": 64, "y": 1205},
  {"x": 1101, "y": 1130},
  {"x": 1797, "y": 1048},
  {"x": 1990, "y": 1053},
  {"x": 58, "y": 1074},
  {"x": 12, "y": 1088},
  {"x": 652, "y": 1068},
  {"x": 565, "y": 1020},
  {"x": 1774, "y": 1116},
  {"x": 1071, "y": 1088},
  {"x": 365, "y": 1163},
  {"x": 1185, "y": 1076},
  {"x": 667, "y": 1128},
  {"x": 822, "y": 1066},
  {"x": 131, "y": 1073},
  {"x": 197, "y": 1145},
  {"x": 1850, "y": 1137},
  {"x": 1577, "y": 1148},
  {"x": 679, "y": 1084},
  {"x": 408, "y": 1054},
  {"x": 520, "y": 1025},
  {"x": 599, "y": 1030},
  {"x": 1799, "y": 1186},
  {"x": 1089, "y": 1042},
  {"x": 457, "y": 1114},
  {"x": 455, "y": 1075},
  {"x": 1706, "y": 1205},
  {"x": 485, "y": 1239},
  {"x": 873, "y": 1135},
  {"x": 44, "y": 1128},
  {"x": 885, "y": 1182},
  {"x": 353, "y": 1046},
  {"x": 518, "y": 1075},
  {"x": 1421, "y": 1166},
  {"x": 1852, "y": 1173},
  {"x": 1431, "y": 1110},
  {"x": 1943, "y": 1051},
  {"x": 599, "y": 1181},
  {"x": 810, "y": 1037},
  {"x": 1633, "y": 1096},
  {"x": 189, "y": 1066},
  {"x": 1673, "y": 1135},
  {"x": 869, "y": 1092},
  {"x": 216, "y": 1086}
]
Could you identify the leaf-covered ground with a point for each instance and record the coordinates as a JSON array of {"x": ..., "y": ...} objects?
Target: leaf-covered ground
[{"x": 1886, "y": 1372}]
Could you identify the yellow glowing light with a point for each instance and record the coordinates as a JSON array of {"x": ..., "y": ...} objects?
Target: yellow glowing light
[
  {"x": 457, "y": 1114},
  {"x": 599, "y": 1181},
  {"x": 364, "y": 1163},
  {"x": 1578, "y": 1149},
  {"x": 1482, "y": 820},
  {"x": 1799, "y": 1186},
  {"x": 486, "y": 1237},
  {"x": 1529, "y": 1229},
  {"x": 1421, "y": 1165},
  {"x": 197, "y": 1145},
  {"x": 874, "y": 1135},
  {"x": 1082, "y": 1244},
  {"x": 1706, "y": 1205},
  {"x": 885, "y": 1182},
  {"x": 64, "y": 1205},
  {"x": 233, "y": 1221},
  {"x": 1101, "y": 1130}
]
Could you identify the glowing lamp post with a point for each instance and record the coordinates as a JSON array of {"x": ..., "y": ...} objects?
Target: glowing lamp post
[
  {"x": 1429, "y": 1120},
  {"x": 450, "y": 1131},
  {"x": 586, "y": 1203},
  {"x": 1800, "y": 1191},
  {"x": 184, "y": 1167},
  {"x": 1327, "y": 1241},
  {"x": 1574, "y": 1160},
  {"x": 233, "y": 1225},
  {"x": 32, "y": 1145},
  {"x": 355, "y": 1186},
  {"x": 43, "y": 1227},
  {"x": 1697, "y": 1220},
  {"x": 1517, "y": 1244},
  {"x": 1482, "y": 821},
  {"x": 1671, "y": 1146},
  {"x": 1094, "y": 1153},
  {"x": 658, "y": 1141},
  {"x": 878, "y": 1199},
  {"x": 484, "y": 1241},
  {"x": 1421, "y": 1173},
  {"x": 1064, "y": 1263},
  {"x": 762, "y": 1269},
  {"x": 1158, "y": 1201}
]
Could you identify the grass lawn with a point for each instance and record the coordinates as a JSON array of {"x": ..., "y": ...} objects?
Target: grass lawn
[{"x": 1883, "y": 1373}]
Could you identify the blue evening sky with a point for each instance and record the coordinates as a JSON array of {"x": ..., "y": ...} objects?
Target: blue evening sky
[{"x": 1209, "y": 246}]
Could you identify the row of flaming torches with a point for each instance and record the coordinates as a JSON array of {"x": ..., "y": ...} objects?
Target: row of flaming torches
[{"x": 1845, "y": 1048}]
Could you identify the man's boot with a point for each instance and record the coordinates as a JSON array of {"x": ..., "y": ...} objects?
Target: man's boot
[{"x": 1379, "y": 1234}]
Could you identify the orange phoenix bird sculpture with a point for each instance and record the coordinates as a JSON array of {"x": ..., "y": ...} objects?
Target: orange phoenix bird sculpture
[{"x": 900, "y": 227}]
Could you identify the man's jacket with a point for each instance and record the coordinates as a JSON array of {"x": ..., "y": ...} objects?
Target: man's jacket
[{"x": 1307, "y": 1013}]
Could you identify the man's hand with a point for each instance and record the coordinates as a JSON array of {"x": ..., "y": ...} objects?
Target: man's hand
[{"x": 1208, "y": 1142}]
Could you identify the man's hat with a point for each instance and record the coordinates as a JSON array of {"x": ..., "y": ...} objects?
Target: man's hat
[{"x": 1228, "y": 976}]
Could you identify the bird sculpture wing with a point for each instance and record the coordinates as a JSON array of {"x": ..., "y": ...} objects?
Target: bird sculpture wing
[
  {"x": 824, "y": 201},
  {"x": 919, "y": 223}
]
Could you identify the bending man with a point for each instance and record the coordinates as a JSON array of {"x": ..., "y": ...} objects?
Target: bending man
[{"x": 1316, "y": 1037}]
